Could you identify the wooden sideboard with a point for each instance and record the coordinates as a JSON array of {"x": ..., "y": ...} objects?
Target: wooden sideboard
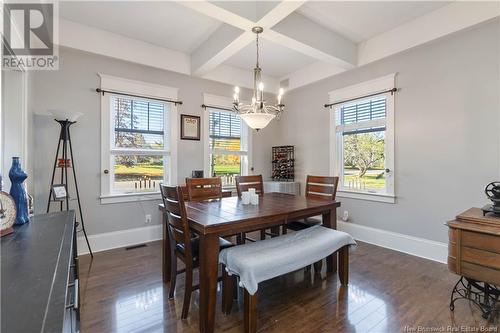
[
  {"x": 474, "y": 246},
  {"x": 40, "y": 276}
]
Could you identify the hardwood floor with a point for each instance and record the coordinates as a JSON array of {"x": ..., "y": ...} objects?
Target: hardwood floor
[{"x": 122, "y": 291}]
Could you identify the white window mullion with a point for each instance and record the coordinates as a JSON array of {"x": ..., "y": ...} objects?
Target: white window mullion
[{"x": 360, "y": 125}]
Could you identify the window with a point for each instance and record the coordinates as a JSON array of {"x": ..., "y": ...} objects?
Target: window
[
  {"x": 137, "y": 148},
  {"x": 228, "y": 147},
  {"x": 227, "y": 141},
  {"x": 363, "y": 144}
]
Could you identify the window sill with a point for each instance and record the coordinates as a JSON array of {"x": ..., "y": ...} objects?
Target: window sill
[
  {"x": 378, "y": 197},
  {"x": 129, "y": 197}
]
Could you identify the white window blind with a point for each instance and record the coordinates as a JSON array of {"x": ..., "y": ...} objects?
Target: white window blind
[
  {"x": 225, "y": 131},
  {"x": 363, "y": 111}
]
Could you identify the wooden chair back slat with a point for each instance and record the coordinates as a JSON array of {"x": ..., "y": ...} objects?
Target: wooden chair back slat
[
  {"x": 178, "y": 226},
  {"x": 322, "y": 179},
  {"x": 200, "y": 189},
  {"x": 321, "y": 187},
  {"x": 243, "y": 183}
]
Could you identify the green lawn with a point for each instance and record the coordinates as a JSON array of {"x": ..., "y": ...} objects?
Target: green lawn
[
  {"x": 369, "y": 180},
  {"x": 123, "y": 172},
  {"x": 227, "y": 169}
]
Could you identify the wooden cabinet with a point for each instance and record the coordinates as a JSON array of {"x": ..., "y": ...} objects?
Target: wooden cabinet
[
  {"x": 282, "y": 187},
  {"x": 474, "y": 246}
]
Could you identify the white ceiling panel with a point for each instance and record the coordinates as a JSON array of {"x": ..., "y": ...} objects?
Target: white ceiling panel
[
  {"x": 166, "y": 24},
  {"x": 252, "y": 10},
  {"x": 361, "y": 20},
  {"x": 275, "y": 60}
]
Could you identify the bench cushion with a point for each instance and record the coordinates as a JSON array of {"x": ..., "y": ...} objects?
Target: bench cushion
[{"x": 266, "y": 259}]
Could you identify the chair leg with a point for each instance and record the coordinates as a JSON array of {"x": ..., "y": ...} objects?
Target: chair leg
[
  {"x": 284, "y": 229},
  {"x": 318, "y": 265},
  {"x": 263, "y": 234},
  {"x": 188, "y": 288},
  {"x": 250, "y": 316},
  {"x": 344, "y": 265},
  {"x": 173, "y": 275},
  {"x": 243, "y": 238},
  {"x": 275, "y": 231},
  {"x": 228, "y": 283}
]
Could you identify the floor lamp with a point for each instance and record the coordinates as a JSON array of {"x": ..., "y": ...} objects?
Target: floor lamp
[{"x": 64, "y": 163}]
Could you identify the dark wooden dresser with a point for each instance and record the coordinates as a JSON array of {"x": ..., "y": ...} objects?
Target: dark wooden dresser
[
  {"x": 39, "y": 271},
  {"x": 474, "y": 254}
]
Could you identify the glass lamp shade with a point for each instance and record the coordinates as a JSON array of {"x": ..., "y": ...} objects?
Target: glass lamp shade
[
  {"x": 257, "y": 120},
  {"x": 65, "y": 115}
]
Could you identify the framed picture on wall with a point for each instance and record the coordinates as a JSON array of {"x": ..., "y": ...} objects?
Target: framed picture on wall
[{"x": 190, "y": 127}]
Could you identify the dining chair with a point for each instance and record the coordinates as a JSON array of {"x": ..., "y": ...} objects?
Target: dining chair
[
  {"x": 318, "y": 187},
  {"x": 201, "y": 189},
  {"x": 243, "y": 183},
  {"x": 183, "y": 244}
]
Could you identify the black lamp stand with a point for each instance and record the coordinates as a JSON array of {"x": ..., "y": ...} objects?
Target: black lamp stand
[{"x": 65, "y": 138}]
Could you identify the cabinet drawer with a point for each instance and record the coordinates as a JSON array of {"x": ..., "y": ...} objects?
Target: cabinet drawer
[
  {"x": 481, "y": 257},
  {"x": 481, "y": 273},
  {"x": 480, "y": 241}
]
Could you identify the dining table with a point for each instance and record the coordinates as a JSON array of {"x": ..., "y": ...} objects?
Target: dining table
[{"x": 229, "y": 216}]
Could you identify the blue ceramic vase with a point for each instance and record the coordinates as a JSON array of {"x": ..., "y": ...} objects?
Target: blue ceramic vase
[{"x": 18, "y": 191}]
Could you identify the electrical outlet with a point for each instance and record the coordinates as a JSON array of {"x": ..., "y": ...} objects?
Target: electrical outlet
[
  {"x": 148, "y": 218},
  {"x": 345, "y": 217}
]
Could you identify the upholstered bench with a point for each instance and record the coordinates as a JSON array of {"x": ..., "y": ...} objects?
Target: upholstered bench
[{"x": 266, "y": 259}]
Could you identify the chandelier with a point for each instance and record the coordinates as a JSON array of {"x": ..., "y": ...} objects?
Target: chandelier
[{"x": 258, "y": 114}]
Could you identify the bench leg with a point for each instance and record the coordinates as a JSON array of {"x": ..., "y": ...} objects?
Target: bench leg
[
  {"x": 228, "y": 284},
  {"x": 250, "y": 316},
  {"x": 344, "y": 265}
]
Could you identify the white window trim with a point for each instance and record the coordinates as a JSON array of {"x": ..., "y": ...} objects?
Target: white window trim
[
  {"x": 225, "y": 103},
  {"x": 375, "y": 86},
  {"x": 144, "y": 89}
]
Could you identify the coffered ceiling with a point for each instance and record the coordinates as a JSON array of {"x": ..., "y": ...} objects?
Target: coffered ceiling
[{"x": 302, "y": 41}]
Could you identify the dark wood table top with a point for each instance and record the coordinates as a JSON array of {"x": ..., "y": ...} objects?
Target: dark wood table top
[
  {"x": 229, "y": 215},
  {"x": 35, "y": 267}
]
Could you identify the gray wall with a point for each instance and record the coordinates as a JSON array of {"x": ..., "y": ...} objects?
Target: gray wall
[
  {"x": 447, "y": 131},
  {"x": 72, "y": 87}
]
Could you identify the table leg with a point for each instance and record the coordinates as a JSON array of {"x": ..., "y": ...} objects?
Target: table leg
[
  {"x": 330, "y": 221},
  {"x": 209, "y": 260},
  {"x": 165, "y": 251}
]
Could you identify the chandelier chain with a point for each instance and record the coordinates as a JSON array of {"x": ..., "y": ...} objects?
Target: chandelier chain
[{"x": 257, "y": 43}]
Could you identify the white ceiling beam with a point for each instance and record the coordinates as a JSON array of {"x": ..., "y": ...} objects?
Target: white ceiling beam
[
  {"x": 228, "y": 39},
  {"x": 278, "y": 13},
  {"x": 441, "y": 22},
  {"x": 281, "y": 26},
  {"x": 303, "y": 35},
  {"x": 219, "y": 13},
  {"x": 311, "y": 73},
  {"x": 82, "y": 37},
  {"x": 225, "y": 42}
]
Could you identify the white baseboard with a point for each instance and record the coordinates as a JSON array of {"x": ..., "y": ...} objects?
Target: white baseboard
[
  {"x": 117, "y": 239},
  {"x": 419, "y": 247}
]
